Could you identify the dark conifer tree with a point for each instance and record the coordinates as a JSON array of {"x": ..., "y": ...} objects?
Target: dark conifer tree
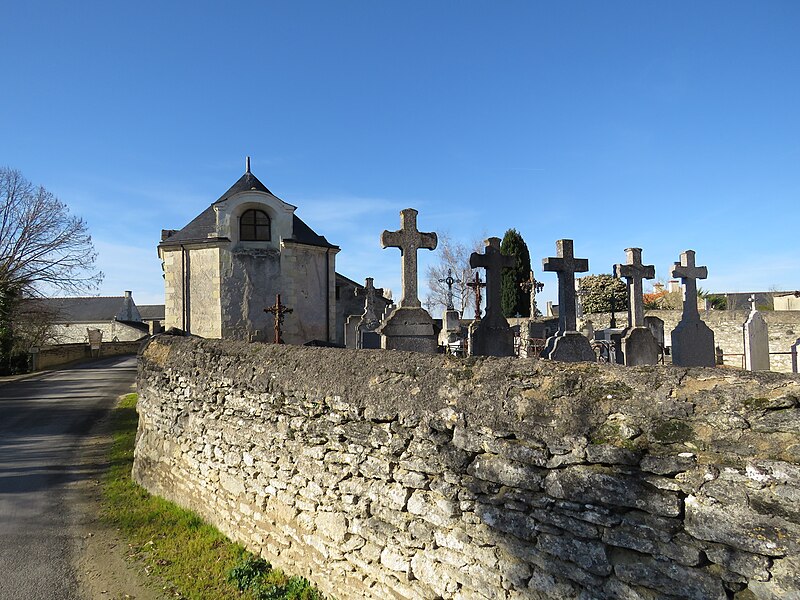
[{"x": 514, "y": 299}]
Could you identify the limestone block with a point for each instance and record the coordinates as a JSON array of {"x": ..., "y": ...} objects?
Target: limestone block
[
  {"x": 669, "y": 578},
  {"x": 498, "y": 469}
]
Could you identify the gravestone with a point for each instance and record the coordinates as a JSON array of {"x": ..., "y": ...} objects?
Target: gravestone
[
  {"x": 567, "y": 345},
  {"x": 368, "y": 321},
  {"x": 692, "y": 340},
  {"x": 794, "y": 351},
  {"x": 756, "y": 340},
  {"x": 409, "y": 326},
  {"x": 656, "y": 326},
  {"x": 639, "y": 347},
  {"x": 492, "y": 336}
]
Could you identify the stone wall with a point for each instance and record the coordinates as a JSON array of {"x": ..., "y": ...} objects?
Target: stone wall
[
  {"x": 784, "y": 330},
  {"x": 55, "y": 356},
  {"x": 75, "y": 333},
  {"x": 394, "y": 475}
]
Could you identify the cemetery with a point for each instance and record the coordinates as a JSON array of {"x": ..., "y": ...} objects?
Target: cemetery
[{"x": 453, "y": 461}]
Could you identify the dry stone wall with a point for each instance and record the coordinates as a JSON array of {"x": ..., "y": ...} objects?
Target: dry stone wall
[{"x": 384, "y": 474}]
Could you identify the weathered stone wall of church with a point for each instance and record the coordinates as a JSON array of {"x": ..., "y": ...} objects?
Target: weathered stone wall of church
[
  {"x": 204, "y": 292},
  {"x": 387, "y": 474},
  {"x": 173, "y": 283},
  {"x": 309, "y": 290},
  {"x": 784, "y": 330}
]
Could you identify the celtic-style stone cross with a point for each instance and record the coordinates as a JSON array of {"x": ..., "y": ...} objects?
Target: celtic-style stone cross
[
  {"x": 409, "y": 240},
  {"x": 689, "y": 274},
  {"x": 476, "y": 284},
  {"x": 278, "y": 310},
  {"x": 449, "y": 281},
  {"x": 634, "y": 272},
  {"x": 493, "y": 261},
  {"x": 566, "y": 265}
]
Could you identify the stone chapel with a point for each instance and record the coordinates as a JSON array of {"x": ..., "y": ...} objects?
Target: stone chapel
[{"x": 227, "y": 265}]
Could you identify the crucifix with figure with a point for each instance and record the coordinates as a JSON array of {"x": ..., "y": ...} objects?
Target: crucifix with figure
[
  {"x": 532, "y": 286},
  {"x": 278, "y": 310},
  {"x": 476, "y": 285}
]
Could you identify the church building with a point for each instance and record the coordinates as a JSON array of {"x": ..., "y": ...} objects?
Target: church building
[{"x": 228, "y": 264}]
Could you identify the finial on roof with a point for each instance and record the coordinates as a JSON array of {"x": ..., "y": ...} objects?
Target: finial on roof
[{"x": 247, "y": 165}]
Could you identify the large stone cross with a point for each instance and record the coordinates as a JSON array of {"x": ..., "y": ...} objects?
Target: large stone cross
[
  {"x": 634, "y": 272},
  {"x": 493, "y": 261},
  {"x": 409, "y": 240},
  {"x": 566, "y": 265},
  {"x": 689, "y": 274}
]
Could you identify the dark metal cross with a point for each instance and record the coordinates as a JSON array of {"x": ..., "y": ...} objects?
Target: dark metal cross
[
  {"x": 493, "y": 261},
  {"x": 409, "y": 240},
  {"x": 278, "y": 310},
  {"x": 476, "y": 284},
  {"x": 566, "y": 265},
  {"x": 532, "y": 287},
  {"x": 449, "y": 281},
  {"x": 689, "y": 274},
  {"x": 634, "y": 272}
]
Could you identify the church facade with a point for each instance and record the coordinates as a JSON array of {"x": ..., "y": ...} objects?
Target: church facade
[{"x": 228, "y": 264}]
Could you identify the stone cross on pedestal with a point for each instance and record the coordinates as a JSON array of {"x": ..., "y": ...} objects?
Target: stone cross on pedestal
[
  {"x": 409, "y": 240},
  {"x": 369, "y": 319},
  {"x": 409, "y": 326},
  {"x": 566, "y": 265},
  {"x": 532, "y": 287},
  {"x": 567, "y": 344},
  {"x": 692, "y": 340},
  {"x": 476, "y": 284},
  {"x": 492, "y": 336},
  {"x": 493, "y": 261},
  {"x": 639, "y": 347},
  {"x": 449, "y": 281},
  {"x": 752, "y": 301},
  {"x": 279, "y": 310},
  {"x": 634, "y": 272}
]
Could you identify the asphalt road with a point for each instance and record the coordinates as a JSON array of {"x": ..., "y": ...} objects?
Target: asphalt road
[{"x": 43, "y": 422}]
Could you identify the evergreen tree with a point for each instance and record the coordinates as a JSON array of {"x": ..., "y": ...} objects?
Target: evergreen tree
[
  {"x": 514, "y": 299},
  {"x": 600, "y": 292}
]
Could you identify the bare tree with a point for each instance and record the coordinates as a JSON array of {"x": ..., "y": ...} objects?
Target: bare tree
[
  {"x": 453, "y": 259},
  {"x": 42, "y": 247},
  {"x": 41, "y": 244}
]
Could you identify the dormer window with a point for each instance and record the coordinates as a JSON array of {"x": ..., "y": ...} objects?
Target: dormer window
[{"x": 254, "y": 226}]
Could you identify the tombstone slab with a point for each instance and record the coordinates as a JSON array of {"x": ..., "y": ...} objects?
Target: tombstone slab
[
  {"x": 409, "y": 326},
  {"x": 692, "y": 339},
  {"x": 574, "y": 348},
  {"x": 492, "y": 336},
  {"x": 639, "y": 347},
  {"x": 756, "y": 341}
]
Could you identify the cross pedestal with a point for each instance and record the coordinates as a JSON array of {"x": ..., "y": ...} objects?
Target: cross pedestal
[
  {"x": 567, "y": 345},
  {"x": 492, "y": 336},
  {"x": 639, "y": 347},
  {"x": 692, "y": 340},
  {"x": 409, "y": 326}
]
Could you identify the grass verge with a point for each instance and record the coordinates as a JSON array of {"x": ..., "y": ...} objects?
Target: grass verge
[{"x": 192, "y": 558}]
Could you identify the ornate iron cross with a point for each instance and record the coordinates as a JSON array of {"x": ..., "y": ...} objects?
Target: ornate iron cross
[
  {"x": 278, "y": 310},
  {"x": 449, "y": 281},
  {"x": 476, "y": 284}
]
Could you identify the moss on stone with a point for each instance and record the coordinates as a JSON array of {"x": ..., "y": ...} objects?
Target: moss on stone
[{"x": 673, "y": 432}]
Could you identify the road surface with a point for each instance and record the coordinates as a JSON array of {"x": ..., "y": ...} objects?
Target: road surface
[{"x": 43, "y": 422}]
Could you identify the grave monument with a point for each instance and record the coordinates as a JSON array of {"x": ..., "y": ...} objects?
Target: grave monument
[
  {"x": 409, "y": 326},
  {"x": 567, "y": 345},
  {"x": 756, "y": 340},
  {"x": 692, "y": 339},
  {"x": 492, "y": 336},
  {"x": 639, "y": 347}
]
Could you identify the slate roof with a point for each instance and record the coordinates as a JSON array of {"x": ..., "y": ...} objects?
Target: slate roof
[
  {"x": 96, "y": 309},
  {"x": 199, "y": 228},
  {"x": 152, "y": 312}
]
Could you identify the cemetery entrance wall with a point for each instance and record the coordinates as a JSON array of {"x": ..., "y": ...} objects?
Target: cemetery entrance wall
[{"x": 387, "y": 474}]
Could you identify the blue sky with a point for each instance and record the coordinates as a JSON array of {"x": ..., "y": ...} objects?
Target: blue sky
[{"x": 662, "y": 125}]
